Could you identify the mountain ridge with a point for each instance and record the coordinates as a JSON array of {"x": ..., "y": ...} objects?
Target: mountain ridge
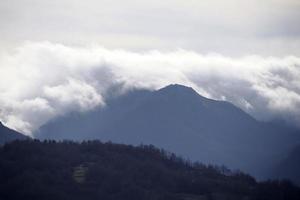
[
  {"x": 180, "y": 120},
  {"x": 8, "y": 135}
]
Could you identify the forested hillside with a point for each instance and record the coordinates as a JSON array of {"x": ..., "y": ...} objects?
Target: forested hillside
[{"x": 94, "y": 170}]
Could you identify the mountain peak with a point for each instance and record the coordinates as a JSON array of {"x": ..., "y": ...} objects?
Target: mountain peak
[{"x": 178, "y": 89}]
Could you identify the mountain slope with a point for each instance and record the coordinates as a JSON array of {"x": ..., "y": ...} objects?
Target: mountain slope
[
  {"x": 180, "y": 120},
  {"x": 289, "y": 168},
  {"x": 8, "y": 135},
  {"x": 95, "y": 170}
]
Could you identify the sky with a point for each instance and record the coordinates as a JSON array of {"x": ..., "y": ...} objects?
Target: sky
[{"x": 59, "y": 56}]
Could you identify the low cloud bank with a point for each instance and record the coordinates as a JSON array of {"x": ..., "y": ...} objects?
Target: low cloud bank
[{"x": 39, "y": 81}]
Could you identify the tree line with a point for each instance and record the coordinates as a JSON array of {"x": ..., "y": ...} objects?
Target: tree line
[{"x": 34, "y": 169}]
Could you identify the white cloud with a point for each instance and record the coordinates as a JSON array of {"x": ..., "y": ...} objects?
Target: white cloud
[
  {"x": 27, "y": 114},
  {"x": 42, "y": 80},
  {"x": 74, "y": 94}
]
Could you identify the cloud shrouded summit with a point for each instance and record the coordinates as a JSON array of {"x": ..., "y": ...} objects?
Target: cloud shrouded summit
[{"x": 42, "y": 80}]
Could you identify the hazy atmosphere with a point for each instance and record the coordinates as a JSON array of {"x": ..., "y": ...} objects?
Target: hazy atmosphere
[
  {"x": 149, "y": 99},
  {"x": 231, "y": 28},
  {"x": 58, "y": 56}
]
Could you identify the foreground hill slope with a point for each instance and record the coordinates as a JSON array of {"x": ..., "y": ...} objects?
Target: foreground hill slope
[
  {"x": 93, "y": 170},
  {"x": 8, "y": 135},
  {"x": 180, "y": 120}
]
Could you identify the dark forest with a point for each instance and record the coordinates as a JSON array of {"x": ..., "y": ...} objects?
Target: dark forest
[{"x": 40, "y": 170}]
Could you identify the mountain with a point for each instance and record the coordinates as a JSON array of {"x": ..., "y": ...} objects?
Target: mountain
[
  {"x": 94, "y": 170},
  {"x": 8, "y": 135},
  {"x": 289, "y": 167},
  {"x": 180, "y": 120}
]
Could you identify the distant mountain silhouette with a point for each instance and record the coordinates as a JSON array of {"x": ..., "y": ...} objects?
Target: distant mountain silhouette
[
  {"x": 180, "y": 120},
  {"x": 8, "y": 135},
  {"x": 289, "y": 168}
]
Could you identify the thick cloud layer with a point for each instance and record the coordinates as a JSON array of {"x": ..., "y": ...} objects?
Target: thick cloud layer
[{"x": 42, "y": 80}]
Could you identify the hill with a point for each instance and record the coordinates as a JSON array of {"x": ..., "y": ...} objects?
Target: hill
[
  {"x": 180, "y": 120},
  {"x": 8, "y": 135},
  {"x": 93, "y": 170}
]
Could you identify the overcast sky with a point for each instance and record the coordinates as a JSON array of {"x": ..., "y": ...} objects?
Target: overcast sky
[
  {"x": 60, "y": 55},
  {"x": 229, "y": 27}
]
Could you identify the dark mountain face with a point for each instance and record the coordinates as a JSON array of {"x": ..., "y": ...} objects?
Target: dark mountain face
[
  {"x": 8, "y": 135},
  {"x": 289, "y": 167},
  {"x": 180, "y": 120}
]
